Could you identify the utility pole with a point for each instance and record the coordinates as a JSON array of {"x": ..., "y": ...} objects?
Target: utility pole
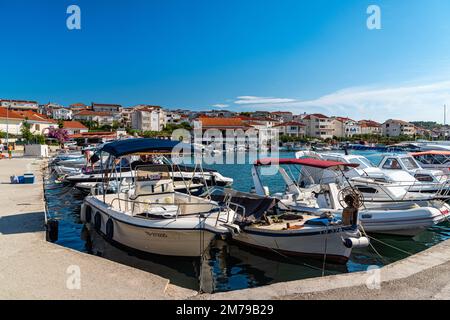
[{"x": 445, "y": 114}]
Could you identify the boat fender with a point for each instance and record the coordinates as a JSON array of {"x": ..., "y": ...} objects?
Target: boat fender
[
  {"x": 97, "y": 221},
  {"x": 354, "y": 243},
  {"x": 88, "y": 214},
  {"x": 52, "y": 230},
  {"x": 109, "y": 229}
]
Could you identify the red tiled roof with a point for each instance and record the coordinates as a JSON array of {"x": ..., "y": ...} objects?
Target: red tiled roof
[
  {"x": 73, "y": 125},
  {"x": 93, "y": 113},
  {"x": 222, "y": 122},
  {"x": 316, "y": 115},
  {"x": 369, "y": 124},
  {"x": 4, "y": 113},
  {"x": 33, "y": 116}
]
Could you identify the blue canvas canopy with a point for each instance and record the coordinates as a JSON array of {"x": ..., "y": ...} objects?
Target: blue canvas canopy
[{"x": 132, "y": 146}]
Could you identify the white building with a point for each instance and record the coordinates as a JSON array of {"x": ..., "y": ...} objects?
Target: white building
[
  {"x": 395, "y": 128},
  {"x": 102, "y": 118},
  {"x": 291, "y": 128},
  {"x": 346, "y": 127},
  {"x": 148, "y": 118},
  {"x": 319, "y": 126},
  {"x": 74, "y": 127},
  {"x": 17, "y": 105}
]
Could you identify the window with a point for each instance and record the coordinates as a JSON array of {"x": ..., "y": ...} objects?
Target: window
[
  {"x": 409, "y": 163},
  {"x": 424, "y": 177},
  {"x": 392, "y": 164}
]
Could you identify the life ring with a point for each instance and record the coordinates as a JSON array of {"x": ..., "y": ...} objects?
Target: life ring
[
  {"x": 98, "y": 221},
  {"x": 110, "y": 229},
  {"x": 88, "y": 214}
]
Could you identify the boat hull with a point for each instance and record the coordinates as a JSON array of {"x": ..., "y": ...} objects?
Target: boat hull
[
  {"x": 316, "y": 245},
  {"x": 167, "y": 237}
]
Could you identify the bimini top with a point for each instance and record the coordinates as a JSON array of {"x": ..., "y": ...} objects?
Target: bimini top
[
  {"x": 315, "y": 163},
  {"x": 134, "y": 146},
  {"x": 431, "y": 153}
]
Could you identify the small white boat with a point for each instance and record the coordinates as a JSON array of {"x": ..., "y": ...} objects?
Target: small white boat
[
  {"x": 152, "y": 217},
  {"x": 267, "y": 225}
]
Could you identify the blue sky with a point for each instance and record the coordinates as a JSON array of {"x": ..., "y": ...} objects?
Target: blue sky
[{"x": 301, "y": 56}]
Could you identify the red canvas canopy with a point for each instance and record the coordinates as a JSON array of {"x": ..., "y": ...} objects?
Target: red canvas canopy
[
  {"x": 431, "y": 153},
  {"x": 309, "y": 162}
]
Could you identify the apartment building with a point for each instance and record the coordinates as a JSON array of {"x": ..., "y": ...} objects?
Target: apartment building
[
  {"x": 148, "y": 118},
  {"x": 346, "y": 127},
  {"x": 19, "y": 105},
  {"x": 102, "y": 118},
  {"x": 291, "y": 128},
  {"x": 395, "y": 128},
  {"x": 370, "y": 127},
  {"x": 319, "y": 126},
  {"x": 103, "y": 107}
]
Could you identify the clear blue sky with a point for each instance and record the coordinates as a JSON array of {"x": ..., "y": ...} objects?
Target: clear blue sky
[{"x": 305, "y": 56}]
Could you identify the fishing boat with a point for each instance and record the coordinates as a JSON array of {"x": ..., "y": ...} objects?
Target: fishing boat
[
  {"x": 399, "y": 215},
  {"x": 266, "y": 224},
  {"x": 152, "y": 217}
]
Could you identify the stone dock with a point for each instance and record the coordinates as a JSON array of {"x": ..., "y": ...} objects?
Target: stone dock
[{"x": 32, "y": 268}]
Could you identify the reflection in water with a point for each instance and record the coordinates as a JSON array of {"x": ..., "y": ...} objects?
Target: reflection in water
[{"x": 225, "y": 266}]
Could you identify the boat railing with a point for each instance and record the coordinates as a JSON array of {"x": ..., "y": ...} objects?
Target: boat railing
[
  {"x": 441, "y": 193},
  {"x": 218, "y": 208}
]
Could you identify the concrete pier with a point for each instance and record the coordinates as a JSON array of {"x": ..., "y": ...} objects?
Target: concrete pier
[{"x": 32, "y": 268}]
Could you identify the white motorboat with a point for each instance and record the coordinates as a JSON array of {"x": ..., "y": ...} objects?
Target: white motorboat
[
  {"x": 412, "y": 179},
  {"x": 434, "y": 160},
  {"x": 267, "y": 225},
  {"x": 397, "y": 213},
  {"x": 152, "y": 217}
]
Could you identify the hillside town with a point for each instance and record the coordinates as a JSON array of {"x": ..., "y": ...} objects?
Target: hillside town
[{"x": 102, "y": 120}]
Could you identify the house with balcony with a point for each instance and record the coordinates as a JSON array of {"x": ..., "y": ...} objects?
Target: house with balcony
[
  {"x": 74, "y": 127},
  {"x": 395, "y": 128},
  {"x": 19, "y": 105},
  {"x": 102, "y": 118},
  {"x": 346, "y": 127},
  {"x": 318, "y": 126},
  {"x": 370, "y": 127},
  {"x": 291, "y": 128},
  {"x": 148, "y": 118}
]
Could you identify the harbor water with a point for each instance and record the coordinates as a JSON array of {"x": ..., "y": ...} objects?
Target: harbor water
[{"x": 227, "y": 266}]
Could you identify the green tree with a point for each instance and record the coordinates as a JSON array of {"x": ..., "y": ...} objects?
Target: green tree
[{"x": 26, "y": 131}]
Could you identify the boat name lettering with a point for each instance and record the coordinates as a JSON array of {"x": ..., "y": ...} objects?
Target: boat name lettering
[{"x": 156, "y": 234}]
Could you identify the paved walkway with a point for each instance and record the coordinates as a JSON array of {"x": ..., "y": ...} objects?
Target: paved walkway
[{"x": 32, "y": 268}]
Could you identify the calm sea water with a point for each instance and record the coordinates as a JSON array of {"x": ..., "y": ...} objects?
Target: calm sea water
[{"x": 227, "y": 267}]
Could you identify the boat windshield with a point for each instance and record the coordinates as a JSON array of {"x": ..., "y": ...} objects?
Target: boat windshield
[
  {"x": 363, "y": 163},
  {"x": 409, "y": 163}
]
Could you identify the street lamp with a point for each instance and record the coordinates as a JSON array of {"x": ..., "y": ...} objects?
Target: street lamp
[{"x": 7, "y": 126}]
